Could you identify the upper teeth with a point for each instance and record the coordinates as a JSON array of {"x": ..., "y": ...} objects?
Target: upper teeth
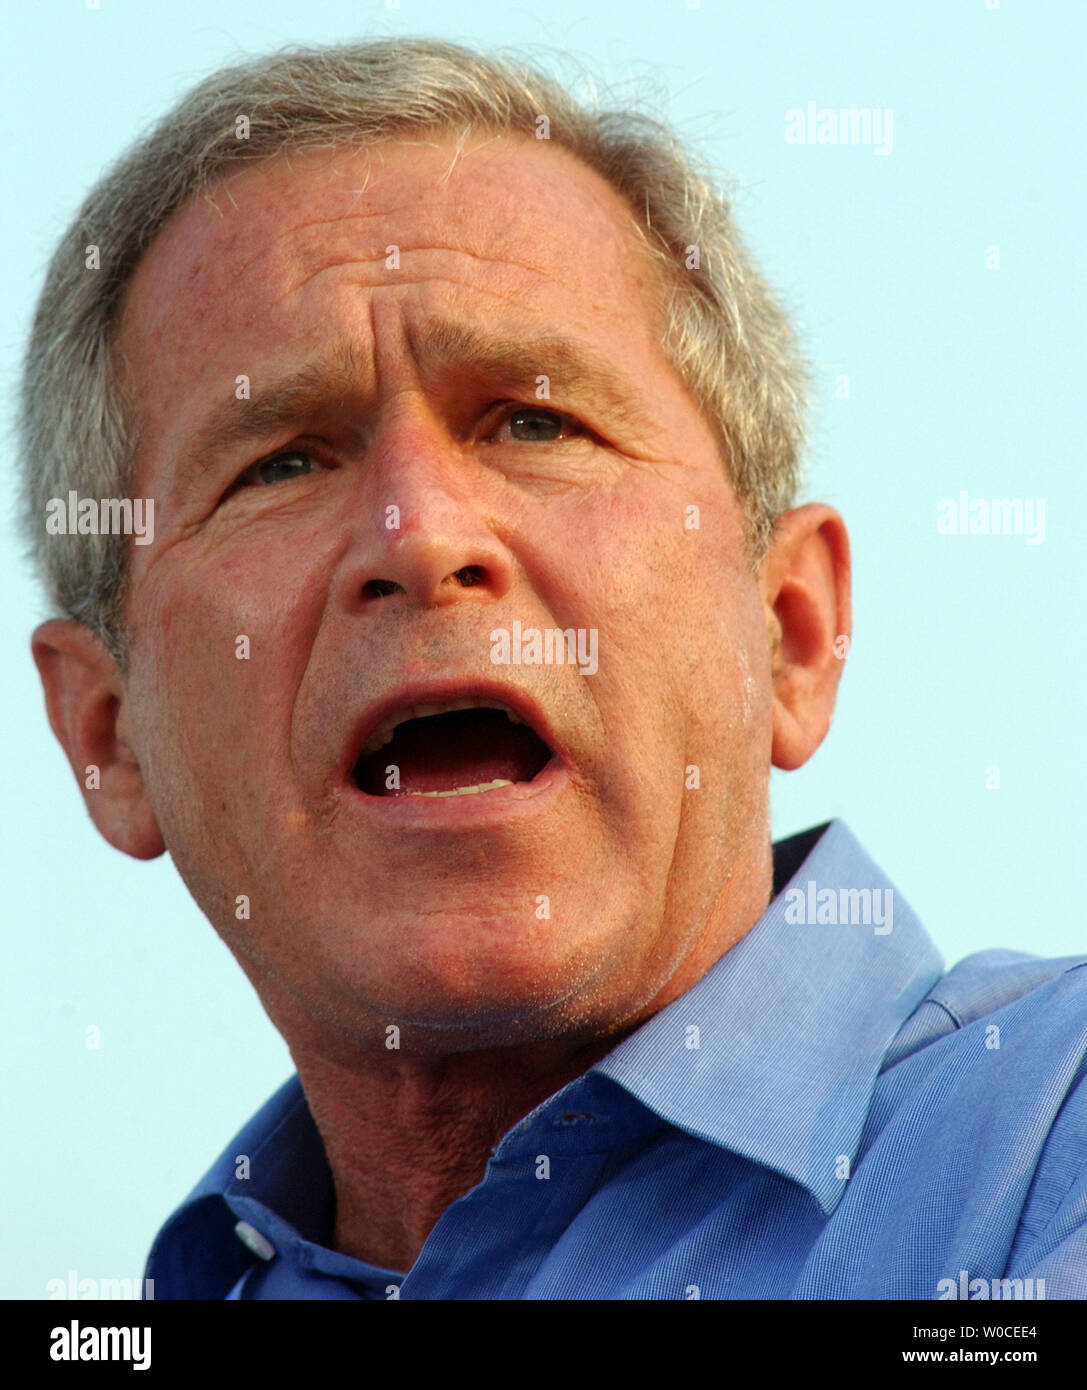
[{"x": 385, "y": 730}]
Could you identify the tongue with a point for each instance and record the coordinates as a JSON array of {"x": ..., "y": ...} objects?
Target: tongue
[{"x": 464, "y": 748}]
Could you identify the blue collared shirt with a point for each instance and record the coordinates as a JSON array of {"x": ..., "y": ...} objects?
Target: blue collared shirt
[{"x": 825, "y": 1114}]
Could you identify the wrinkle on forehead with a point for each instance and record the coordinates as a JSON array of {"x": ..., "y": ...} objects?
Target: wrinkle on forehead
[
  {"x": 417, "y": 278},
  {"x": 191, "y": 245},
  {"x": 214, "y": 289}
]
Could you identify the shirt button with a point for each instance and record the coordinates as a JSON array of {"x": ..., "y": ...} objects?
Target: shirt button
[{"x": 252, "y": 1238}]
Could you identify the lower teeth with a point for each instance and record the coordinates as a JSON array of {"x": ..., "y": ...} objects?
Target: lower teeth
[{"x": 468, "y": 791}]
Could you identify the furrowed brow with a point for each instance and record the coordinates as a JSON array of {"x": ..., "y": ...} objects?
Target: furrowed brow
[
  {"x": 276, "y": 406},
  {"x": 518, "y": 362},
  {"x": 569, "y": 365}
]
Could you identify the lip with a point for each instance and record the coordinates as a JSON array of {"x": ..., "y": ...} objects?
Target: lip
[
  {"x": 437, "y": 693},
  {"x": 501, "y": 807}
]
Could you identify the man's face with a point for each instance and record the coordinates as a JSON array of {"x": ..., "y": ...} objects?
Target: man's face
[{"x": 459, "y": 473}]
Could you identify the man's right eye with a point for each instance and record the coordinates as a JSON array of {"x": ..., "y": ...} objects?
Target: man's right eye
[{"x": 280, "y": 468}]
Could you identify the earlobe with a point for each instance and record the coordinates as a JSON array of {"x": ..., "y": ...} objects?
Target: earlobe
[
  {"x": 84, "y": 699},
  {"x": 806, "y": 591}
]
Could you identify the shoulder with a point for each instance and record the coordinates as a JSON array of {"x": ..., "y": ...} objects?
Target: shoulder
[
  {"x": 985, "y": 1068},
  {"x": 985, "y": 1089},
  {"x": 992, "y": 980},
  {"x": 1031, "y": 1010},
  {"x": 974, "y": 1154}
]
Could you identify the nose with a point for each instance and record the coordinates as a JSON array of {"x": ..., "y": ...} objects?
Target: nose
[{"x": 420, "y": 533}]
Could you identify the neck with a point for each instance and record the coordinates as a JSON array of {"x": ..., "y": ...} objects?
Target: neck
[
  {"x": 408, "y": 1131},
  {"x": 406, "y": 1139}
]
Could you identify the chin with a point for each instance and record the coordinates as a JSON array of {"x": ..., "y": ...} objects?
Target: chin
[{"x": 471, "y": 975}]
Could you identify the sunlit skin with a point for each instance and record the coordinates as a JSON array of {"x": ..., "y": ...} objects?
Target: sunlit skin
[{"x": 425, "y": 913}]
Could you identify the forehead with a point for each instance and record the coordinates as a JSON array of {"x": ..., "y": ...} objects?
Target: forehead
[{"x": 503, "y": 229}]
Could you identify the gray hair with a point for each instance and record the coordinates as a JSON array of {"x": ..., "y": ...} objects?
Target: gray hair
[{"x": 726, "y": 333}]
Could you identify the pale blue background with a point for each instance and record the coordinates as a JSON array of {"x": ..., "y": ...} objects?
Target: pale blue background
[{"x": 968, "y": 650}]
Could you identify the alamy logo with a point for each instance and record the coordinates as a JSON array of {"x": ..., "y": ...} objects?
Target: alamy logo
[
  {"x": 853, "y": 907},
  {"x": 75, "y": 1343},
  {"x": 847, "y": 125},
  {"x": 107, "y": 516},
  {"x": 87, "y": 1287},
  {"x": 981, "y": 1290},
  {"x": 997, "y": 516},
  {"x": 551, "y": 646}
]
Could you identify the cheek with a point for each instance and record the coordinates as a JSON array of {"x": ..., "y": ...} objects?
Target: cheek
[
  {"x": 233, "y": 600},
  {"x": 695, "y": 627},
  {"x": 677, "y": 611},
  {"x": 221, "y": 646},
  {"x": 667, "y": 581}
]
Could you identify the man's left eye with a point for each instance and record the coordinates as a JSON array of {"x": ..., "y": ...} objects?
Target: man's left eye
[
  {"x": 530, "y": 425},
  {"x": 280, "y": 468}
]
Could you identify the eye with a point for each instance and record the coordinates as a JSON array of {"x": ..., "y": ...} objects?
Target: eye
[
  {"x": 280, "y": 468},
  {"x": 534, "y": 425}
]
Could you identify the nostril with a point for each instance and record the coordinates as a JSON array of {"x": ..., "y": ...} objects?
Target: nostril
[
  {"x": 379, "y": 588},
  {"x": 469, "y": 575}
]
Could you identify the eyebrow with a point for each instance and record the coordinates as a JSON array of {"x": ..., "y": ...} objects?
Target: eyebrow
[
  {"x": 574, "y": 369},
  {"x": 273, "y": 407}
]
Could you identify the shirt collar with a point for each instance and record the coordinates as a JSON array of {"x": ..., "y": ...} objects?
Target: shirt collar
[
  {"x": 276, "y": 1161},
  {"x": 793, "y": 1022}
]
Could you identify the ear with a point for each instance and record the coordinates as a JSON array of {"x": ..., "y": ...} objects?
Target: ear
[
  {"x": 805, "y": 580},
  {"x": 85, "y": 701}
]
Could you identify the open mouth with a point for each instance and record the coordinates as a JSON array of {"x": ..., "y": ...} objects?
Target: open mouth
[{"x": 460, "y": 748}]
